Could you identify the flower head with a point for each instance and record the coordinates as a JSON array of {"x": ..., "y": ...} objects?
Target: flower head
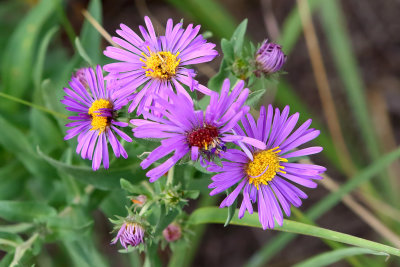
[
  {"x": 172, "y": 233},
  {"x": 96, "y": 123},
  {"x": 269, "y": 58},
  {"x": 157, "y": 64},
  {"x": 184, "y": 129},
  {"x": 130, "y": 234},
  {"x": 264, "y": 175}
]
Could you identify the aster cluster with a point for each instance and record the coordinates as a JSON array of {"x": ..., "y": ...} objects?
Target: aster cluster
[{"x": 151, "y": 75}]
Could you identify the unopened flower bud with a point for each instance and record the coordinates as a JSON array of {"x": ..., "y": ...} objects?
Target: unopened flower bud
[
  {"x": 172, "y": 232},
  {"x": 269, "y": 58},
  {"x": 81, "y": 76},
  {"x": 139, "y": 200},
  {"x": 130, "y": 234}
]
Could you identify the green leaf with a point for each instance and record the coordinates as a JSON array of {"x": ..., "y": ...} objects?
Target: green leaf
[
  {"x": 129, "y": 187},
  {"x": 227, "y": 49},
  {"x": 231, "y": 213},
  {"x": 90, "y": 38},
  {"x": 216, "y": 215},
  {"x": 255, "y": 97},
  {"x": 18, "y": 56},
  {"x": 165, "y": 220},
  {"x": 334, "y": 23},
  {"x": 12, "y": 176},
  {"x": 83, "y": 253},
  {"x": 102, "y": 179},
  {"x": 25, "y": 211},
  {"x": 197, "y": 166},
  {"x": 215, "y": 83},
  {"x": 45, "y": 132},
  {"x": 6, "y": 260},
  {"x": 16, "y": 228},
  {"x": 82, "y": 52},
  {"x": 237, "y": 38},
  {"x": 331, "y": 257},
  {"x": 326, "y": 204},
  {"x": 38, "y": 70},
  {"x": 14, "y": 141}
]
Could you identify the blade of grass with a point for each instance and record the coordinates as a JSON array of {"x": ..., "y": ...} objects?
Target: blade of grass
[
  {"x": 331, "y": 257},
  {"x": 18, "y": 56},
  {"x": 333, "y": 22},
  {"x": 268, "y": 251},
  {"x": 324, "y": 89},
  {"x": 217, "y": 215},
  {"x": 38, "y": 71}
]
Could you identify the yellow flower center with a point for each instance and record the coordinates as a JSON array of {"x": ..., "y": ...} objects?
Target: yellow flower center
[
  {"x": 264, "y": 166},
  {"x": 99, "y": 121},
  {"x": 160, "y": 65}
]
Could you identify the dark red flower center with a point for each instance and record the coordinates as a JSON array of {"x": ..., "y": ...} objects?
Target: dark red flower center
[{"x": 203, "y": 137}]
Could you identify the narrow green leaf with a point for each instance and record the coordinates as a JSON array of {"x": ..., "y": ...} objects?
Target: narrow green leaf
[
  {"x": 165, "y": 220},
  {"x": 82, "y": 52},
  {"x": 90, "y": 38},
  {"x": 129, "y": 187},
  {"x": 18, "y": 56},
  {"x": 83, "y": 253},
  {"x": 24, "y": 211},
  {"x": 216, "y": 215},
  {"x": 237, "y": 38},
  {"x": 38, "y": 70},
  {"x": 334, "y": 23},
  {"x": 45, "y": 132},
  {"x": 6, "y": 260},
  {"x": 14, "y": 141},
  {"x": 231, "y": 213},
  {"x": 102, "y": 179},
  {"x": 326, "y": 204},
  {"x": 16, "y": 228},
  {"x": 331, "y": 257},
  {"x": 255, "y": 97}
]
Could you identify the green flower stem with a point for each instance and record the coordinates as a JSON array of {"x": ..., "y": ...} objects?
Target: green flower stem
[
  {"x": 8, "y": 242},
  {"x": 38, "y": 107},
  {"x": 22, "y": 248},
  {"x": 217, "y": 215}
]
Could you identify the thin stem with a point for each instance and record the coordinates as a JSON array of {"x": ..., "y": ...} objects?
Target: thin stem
[
  {"x": 38, "y": 107},
  {"x": 22, "y": 248}
]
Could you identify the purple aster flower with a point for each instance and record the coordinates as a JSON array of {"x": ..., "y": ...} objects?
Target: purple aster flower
[
  {"x": 264, "y": 175},
  {"x": 153, "y": 65},
  {"x": 269, "y": 58},
  {"x": 130, "y": 234},
  {"x": 96, "y": 122},
  {"x": 185, "y": 130}
]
